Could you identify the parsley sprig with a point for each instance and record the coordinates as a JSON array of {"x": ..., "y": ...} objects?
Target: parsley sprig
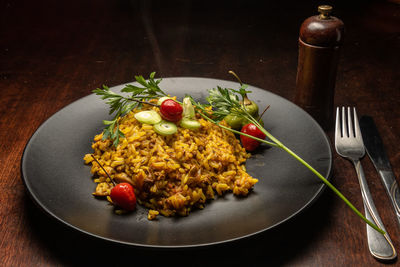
[
  {"x": 225, "y": 101},
  {"x": 121, "y": 105}
]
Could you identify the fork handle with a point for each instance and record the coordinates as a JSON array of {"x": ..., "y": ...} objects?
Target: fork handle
[{"x": 380, "y": 246}]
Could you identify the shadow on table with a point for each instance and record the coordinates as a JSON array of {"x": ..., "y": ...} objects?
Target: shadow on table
[{"x": 279, "y": 246}]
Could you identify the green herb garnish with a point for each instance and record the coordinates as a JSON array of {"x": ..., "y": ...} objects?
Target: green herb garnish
[{"x": 121, "y": 105}]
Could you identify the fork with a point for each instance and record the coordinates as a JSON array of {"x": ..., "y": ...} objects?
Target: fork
[{"x": 349, "y": 144}]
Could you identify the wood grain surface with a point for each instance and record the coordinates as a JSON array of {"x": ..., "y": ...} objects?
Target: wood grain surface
[{"x": 55, "y": 52}]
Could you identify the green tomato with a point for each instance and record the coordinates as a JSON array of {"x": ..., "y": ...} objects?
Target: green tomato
[
  {"x": 237, "y": 122},
  {"x": 234, "y": 121},
  {"x": 252, "y": 108}
]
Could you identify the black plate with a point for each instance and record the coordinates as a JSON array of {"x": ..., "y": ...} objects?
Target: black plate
[{"x": 57, "y": 179}]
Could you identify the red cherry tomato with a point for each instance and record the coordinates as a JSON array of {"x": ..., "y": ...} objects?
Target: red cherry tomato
[
  {"x": 248, "y": 143},
  {"x": 123, "y": 195},
  {"x": 171, "y": 110}
]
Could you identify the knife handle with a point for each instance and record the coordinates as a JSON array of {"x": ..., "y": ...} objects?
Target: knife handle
[
  {"x": 380, "y": 246},
  {"x": 392, "y": 189}
]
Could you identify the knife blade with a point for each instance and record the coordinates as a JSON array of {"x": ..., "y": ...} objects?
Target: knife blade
[{"x": 376, "y": 152}]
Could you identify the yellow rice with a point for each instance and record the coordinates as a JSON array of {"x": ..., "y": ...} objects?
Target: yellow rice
[{"x": 172, "y": 174}]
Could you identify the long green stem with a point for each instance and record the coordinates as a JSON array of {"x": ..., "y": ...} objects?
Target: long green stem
[{"x": 333, "y": 188}]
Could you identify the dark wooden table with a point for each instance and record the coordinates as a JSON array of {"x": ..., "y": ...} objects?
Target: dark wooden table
[{"x": 52, "y": 54}]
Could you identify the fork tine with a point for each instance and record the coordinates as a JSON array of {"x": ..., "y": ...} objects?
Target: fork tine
[
  {"x": 356, "y": 126},
  {"x": 338, "y": 132},
  {"x": 344, "y": 122},
  {"x": 350, "y": 122}
]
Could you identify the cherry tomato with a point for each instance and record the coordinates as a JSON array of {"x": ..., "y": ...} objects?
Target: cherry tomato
[
  {"x": 171, "y": 110},
  {"x": 123, "y": 195},
  {"x": 248, "y": 143}
]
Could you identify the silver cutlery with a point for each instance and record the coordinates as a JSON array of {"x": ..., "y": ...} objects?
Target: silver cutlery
[
  {"x": 349, "y": 144},
  {"x": 376, "y": 152}
]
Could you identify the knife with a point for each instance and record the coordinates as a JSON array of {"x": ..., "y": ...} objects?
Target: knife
[{"x": 376, "y": 151}]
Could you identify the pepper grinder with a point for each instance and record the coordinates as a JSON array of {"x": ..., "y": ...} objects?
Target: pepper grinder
[{"x": 320, "y": 39}]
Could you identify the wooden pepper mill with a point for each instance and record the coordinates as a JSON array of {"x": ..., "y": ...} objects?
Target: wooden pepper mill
[{"x": 320, "y": 39}]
